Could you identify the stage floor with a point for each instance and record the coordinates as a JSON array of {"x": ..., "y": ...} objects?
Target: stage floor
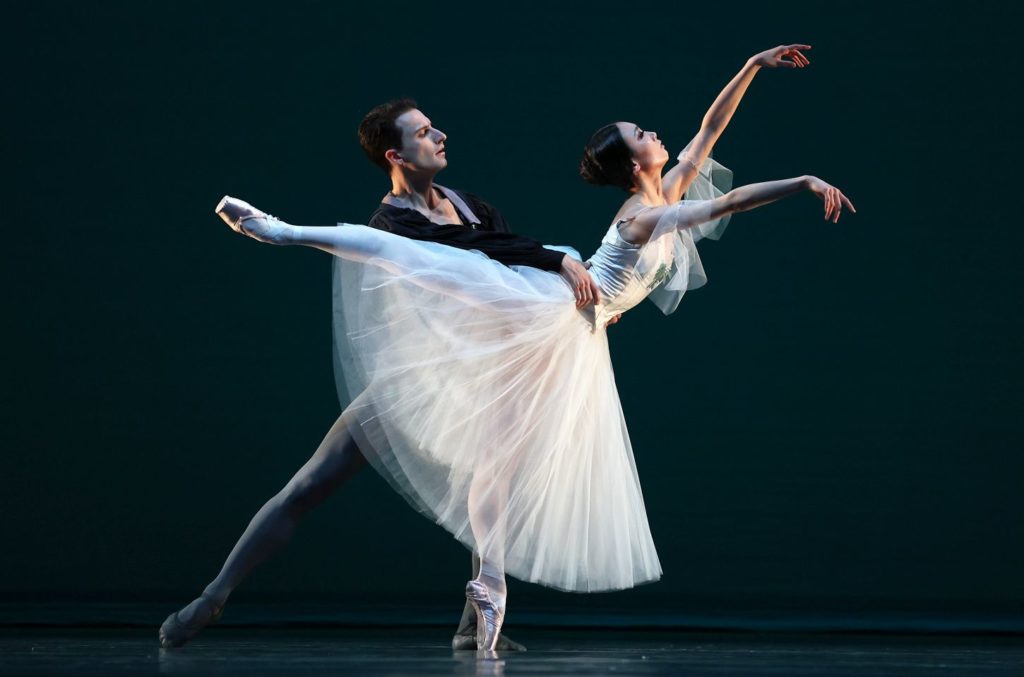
[{"x": 424, "y": 652}]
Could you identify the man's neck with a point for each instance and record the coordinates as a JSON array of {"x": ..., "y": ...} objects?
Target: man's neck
[{"x": 416, "y": 191}]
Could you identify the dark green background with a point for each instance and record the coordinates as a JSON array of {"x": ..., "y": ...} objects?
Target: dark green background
[{"x": 833, "y": 422}]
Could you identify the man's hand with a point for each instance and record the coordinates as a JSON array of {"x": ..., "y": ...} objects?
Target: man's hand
[
  {"x": 582, "y": 285},
  {"x": 615, "y": 318}
]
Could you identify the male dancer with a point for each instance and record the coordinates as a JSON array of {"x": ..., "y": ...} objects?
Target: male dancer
[{"x": 401, "y": 140}]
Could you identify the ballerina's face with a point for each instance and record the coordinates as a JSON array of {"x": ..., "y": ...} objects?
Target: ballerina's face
[
  {"x": 422, "y": 144},
  {"x": 644, "y": 145}
]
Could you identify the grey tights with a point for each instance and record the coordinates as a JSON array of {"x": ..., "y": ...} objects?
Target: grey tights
[{"x": 336, "y": 460}]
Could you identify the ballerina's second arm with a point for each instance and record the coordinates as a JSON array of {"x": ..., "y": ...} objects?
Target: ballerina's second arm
[{"x": 744, "y": 198}]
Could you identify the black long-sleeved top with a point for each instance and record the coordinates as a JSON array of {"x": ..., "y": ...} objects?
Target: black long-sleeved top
[{"x": 490, "y": 237}]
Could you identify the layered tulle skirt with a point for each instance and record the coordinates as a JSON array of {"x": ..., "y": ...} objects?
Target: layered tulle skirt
[{"x": 489, "y": 403}]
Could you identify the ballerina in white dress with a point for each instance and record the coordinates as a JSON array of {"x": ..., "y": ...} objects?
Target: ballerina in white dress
[{"x": 487, "y": 399}]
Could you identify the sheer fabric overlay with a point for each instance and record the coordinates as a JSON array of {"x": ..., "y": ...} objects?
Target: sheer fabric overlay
[
  {"x": 686, "y": 271},
  {"x": 488, "y": 401}
]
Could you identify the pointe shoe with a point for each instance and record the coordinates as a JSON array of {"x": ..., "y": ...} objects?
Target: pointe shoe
[
  {"x": 243, "y": 218},
  {"x": 489, "y": 617},
  {"x": 234, "y": 211},
  {"x": 174, "y": 632}
]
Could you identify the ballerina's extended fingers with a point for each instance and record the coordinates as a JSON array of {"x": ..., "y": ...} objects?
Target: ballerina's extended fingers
[
  {"x": 838, "y": 201},
  {"x": 797, "y": 57},
  {"x": 846, "y": 201}
]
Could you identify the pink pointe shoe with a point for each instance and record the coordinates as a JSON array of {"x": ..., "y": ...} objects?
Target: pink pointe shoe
[
  {"x": 243, "y": 218},
  {"x": 489, "y": 618},
  {"x": 233, "y": 211}
]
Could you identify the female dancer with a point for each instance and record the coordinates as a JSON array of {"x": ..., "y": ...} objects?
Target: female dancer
[{"x": 488, "y": 400}]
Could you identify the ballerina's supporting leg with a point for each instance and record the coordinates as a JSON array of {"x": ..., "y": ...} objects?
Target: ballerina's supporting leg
[
  {"x": 488, "y": 500},
  {"x": 465, "y": 635}
]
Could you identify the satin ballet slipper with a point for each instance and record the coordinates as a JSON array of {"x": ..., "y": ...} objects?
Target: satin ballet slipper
[
  {"x": 234, "y": 211},
  {"x": 174, "y": 632},
  {"x": 243, "y": 218},
  {"x": 489, "y": 617}
]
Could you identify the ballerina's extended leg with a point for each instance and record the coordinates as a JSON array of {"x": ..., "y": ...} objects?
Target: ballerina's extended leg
[{"x": 353, "y": 243}]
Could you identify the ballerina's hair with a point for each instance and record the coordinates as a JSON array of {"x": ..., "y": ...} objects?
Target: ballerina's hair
[
  {"x": 607, "y": 160},
  {"x": 378, "y": 132}
]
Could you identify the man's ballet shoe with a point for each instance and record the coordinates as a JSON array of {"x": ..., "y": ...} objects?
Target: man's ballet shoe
[{"x": 174, "y": 632}]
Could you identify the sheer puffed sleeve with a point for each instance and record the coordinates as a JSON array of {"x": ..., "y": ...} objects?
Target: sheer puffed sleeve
[{"x": 670, "y": 256}]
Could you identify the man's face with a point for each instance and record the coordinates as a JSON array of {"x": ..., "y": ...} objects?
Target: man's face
[{"x": 422, "y": 145}]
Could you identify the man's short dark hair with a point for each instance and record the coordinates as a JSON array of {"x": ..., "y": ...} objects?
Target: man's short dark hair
[{"x": 378, "y": 132}]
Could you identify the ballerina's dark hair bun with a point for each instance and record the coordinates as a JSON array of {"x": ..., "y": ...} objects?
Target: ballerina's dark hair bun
[{"x": 607, "y": 160}]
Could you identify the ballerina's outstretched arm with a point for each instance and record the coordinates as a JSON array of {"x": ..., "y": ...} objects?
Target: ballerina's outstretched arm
[
  {"x": 678, "y": 179},
  {"x": 686, "y": 214}
]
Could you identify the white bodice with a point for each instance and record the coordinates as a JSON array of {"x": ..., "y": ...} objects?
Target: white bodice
[{"x": 623, "y": 283}]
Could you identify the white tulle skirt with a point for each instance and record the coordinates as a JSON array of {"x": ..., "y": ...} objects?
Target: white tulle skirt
[{"x": 488, "y": 402}]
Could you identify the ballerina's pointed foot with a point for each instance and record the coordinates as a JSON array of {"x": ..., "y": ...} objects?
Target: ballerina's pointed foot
[
  {"x": 489, "y": 617},
  {"x": 180, "y": 626},
  {"x": 243, "y": 218},
  {"x": 232, "y": 211}
]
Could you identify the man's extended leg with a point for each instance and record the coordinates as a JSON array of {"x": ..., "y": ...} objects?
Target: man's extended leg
[
  {"x": 331, "y": 465},
  {"x": 335, "y": 461}
]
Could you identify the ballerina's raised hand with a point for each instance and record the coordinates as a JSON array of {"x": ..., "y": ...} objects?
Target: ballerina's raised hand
[{"x": 784, "y": 56}]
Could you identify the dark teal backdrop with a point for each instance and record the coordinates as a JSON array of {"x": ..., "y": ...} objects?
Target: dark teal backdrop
[{"x": 832, "y": 423}]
